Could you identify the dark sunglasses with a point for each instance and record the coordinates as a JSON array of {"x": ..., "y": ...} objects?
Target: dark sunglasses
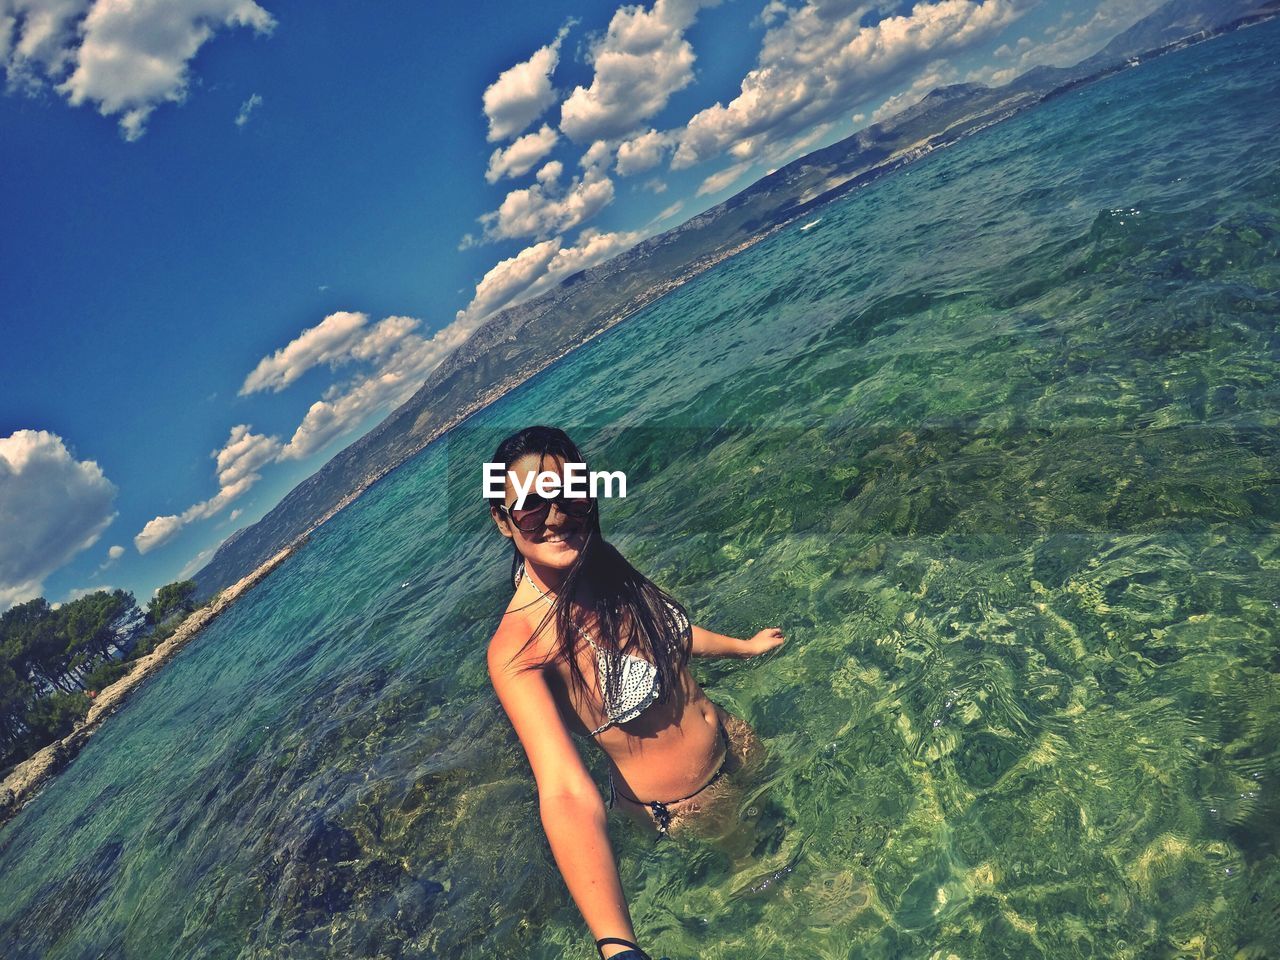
[{"x": 533, "y": 515}]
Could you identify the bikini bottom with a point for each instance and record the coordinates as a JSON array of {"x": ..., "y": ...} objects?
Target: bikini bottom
[{"x": 658, "y": 808}]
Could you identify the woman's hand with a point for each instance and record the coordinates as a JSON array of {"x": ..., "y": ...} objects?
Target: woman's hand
[
  {"x": 767, "y": 639},
  {"x": 708, "y": 644}
]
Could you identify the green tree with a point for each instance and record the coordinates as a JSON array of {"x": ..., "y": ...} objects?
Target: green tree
[
  {"x": 16, "y": 695},
  {"x": 54, "y": 716},
  {"x": 171, "y": 599},
  {"x": 40, "y": 646},
  {"x": 105, "y": 674},
  {"x": 92, "y": 624}
]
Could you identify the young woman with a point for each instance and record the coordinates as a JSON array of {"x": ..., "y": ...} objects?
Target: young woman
[{"x": 590, "y": 646}]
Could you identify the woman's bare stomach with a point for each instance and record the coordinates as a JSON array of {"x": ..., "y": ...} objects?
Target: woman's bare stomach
[{"x": 661, "y": 757}]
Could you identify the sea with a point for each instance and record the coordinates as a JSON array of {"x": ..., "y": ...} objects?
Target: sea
[{"x": 995, "y": 441}]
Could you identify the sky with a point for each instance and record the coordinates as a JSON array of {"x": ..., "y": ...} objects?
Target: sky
[{"x": 238, "y": 233}]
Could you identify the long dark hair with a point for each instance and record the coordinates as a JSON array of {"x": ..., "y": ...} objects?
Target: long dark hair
[{"x": 621, "y": 595}]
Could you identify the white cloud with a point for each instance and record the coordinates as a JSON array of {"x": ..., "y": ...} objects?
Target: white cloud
[
  {"x": 52, "y": 506},
  {"x": 640, "y": 62},
  {"x": 37, "y": 39},
  {"x": 77, "y": 592},
  {"x": 329, "y": 342},
  {"x": 992, "y": 77},
  {"x": 936, "y": 74},
  {"x": 642, "y": 152},
  {"x": 247, "y": 108},
  {"x": 597, "y": 158},
  {"x": 235, "y": 515},
  {"x": 777, "y": 153},
  {"x": 521, "y": 157},
  {"x": 592, "y": 247},
  {"x": 817, "y": 61},
  {"x": 544, "y": 208},
  {"x": 510, "y": 278},
  {"x": 158, "y": 530},
  {"x": 197, "y": 562},
  {"x": 215, "y": 504},
  {"x": 238, "y": 463},
  {"x": 125, "y": 56},
  {"x": 113, "y": 554},
  {"x": 1066, "y": 44},
  {"x": 243, "y": 455},
  {"x": 397, "y": 359},
  {"x": 385, "y": 337},
  {"x": 669, "y": 212},
  {"x": 401, "y": 358},
  {"x": 342, "y": 410},
  {"x": 550, "y": 172},
  {"x": 539, "y": 267},
  {"x": 522, "y": 93},
  {"x": 718, "y": 181}
]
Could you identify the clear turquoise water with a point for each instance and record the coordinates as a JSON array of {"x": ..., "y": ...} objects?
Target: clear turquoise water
[{"x": 996, "y": 442}]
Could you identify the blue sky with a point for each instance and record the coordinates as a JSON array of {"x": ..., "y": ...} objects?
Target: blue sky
[{"x": 239, "y": 233}]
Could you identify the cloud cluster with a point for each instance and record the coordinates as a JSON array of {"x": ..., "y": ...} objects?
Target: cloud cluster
[
  {"x": 640, "y": 62},
  {"x": 547, "y": 207},
  {"x": 344, "y": 406},
  {"x": 52, "y": 506},
  {"x": 394, "y": 357},
  {"x": 238, "y": 463},
  {"x": 125, "y": 56},
  {"x": 641, "y": 59},
  {"x": 537, "y": 268},
  {"x": 521, "y": 156},
  {"x": 37, "y": 39},
  {"x": 242, "y": 456},
  {"x": 332, "y": 342},
  {"x": 1067, "y": 42},
  {"x": 931, "y": 76},
  {"x": 642, "y": 152},
  {"x": 392, "y": 360},
  {"x": 819, "y": 60},
  {"x": 718, "y": 181}
]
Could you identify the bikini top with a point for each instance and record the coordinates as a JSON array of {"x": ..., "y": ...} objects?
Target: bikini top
[{"x": 638, "y": 686}]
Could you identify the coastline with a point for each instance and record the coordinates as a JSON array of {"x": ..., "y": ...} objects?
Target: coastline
[{"x": 28, "y": 777}]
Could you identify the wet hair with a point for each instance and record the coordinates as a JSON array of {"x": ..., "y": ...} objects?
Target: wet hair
[{"x": 621, "y": 594}]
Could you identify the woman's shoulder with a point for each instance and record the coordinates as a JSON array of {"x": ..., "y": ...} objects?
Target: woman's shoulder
[{"x": 515, "y": 639}]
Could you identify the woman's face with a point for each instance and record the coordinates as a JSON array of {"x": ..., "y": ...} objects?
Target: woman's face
[{"x": 559, "y": 542}]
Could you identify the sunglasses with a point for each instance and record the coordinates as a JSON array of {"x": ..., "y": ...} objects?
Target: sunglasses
[{"x": 533, "y": 515}]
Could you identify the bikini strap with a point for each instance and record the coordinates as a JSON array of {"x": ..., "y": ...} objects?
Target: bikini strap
[
  {"x": 624, "y": 943},
  {"x": 538, "y": 591}
]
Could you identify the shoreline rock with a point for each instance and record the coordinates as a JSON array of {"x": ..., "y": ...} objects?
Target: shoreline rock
[{"x": 27, "y": 778}]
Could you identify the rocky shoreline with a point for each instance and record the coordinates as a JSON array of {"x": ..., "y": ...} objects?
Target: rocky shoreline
[{"x": 26, "y": 779}]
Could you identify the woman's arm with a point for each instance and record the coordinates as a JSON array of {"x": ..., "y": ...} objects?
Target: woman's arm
[
  {"x": 572, "y": 811},
  {"x": 708, "y": 644}
]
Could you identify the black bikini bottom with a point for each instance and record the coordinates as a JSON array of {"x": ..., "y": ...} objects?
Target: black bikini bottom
[{"x": 659, "y": 807}]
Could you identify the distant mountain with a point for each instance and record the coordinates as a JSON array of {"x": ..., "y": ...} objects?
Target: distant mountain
[{"x": 520, "y": 341}]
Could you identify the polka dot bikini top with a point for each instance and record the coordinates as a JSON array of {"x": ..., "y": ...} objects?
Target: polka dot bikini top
[{"x": 638, "y": 687}]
